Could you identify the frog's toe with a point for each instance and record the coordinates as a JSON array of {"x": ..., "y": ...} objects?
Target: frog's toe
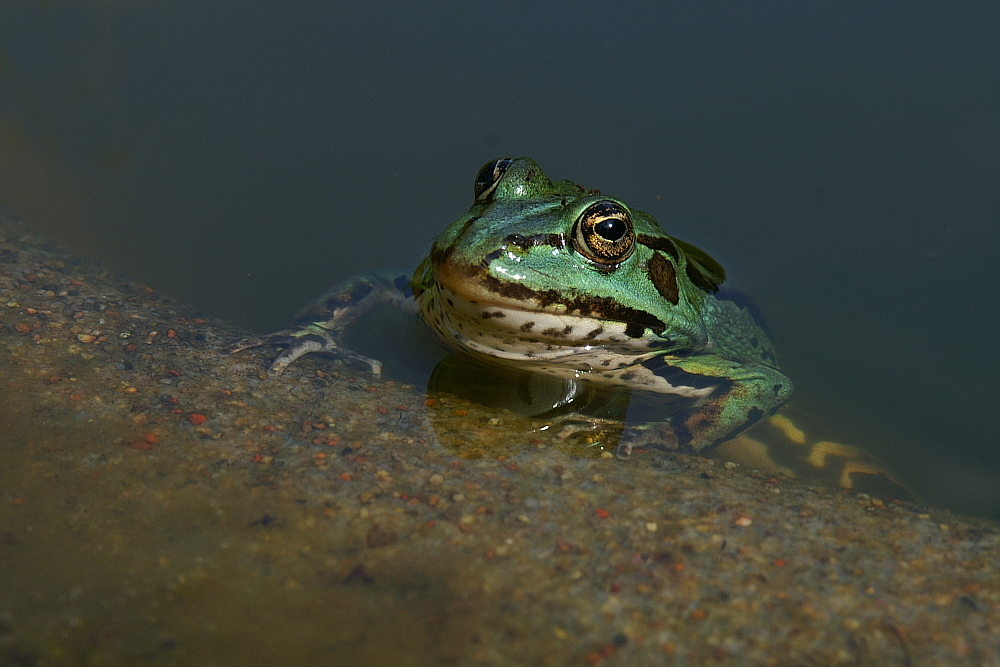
[
  {"x": 374, "y": 365},
  {"x": 297, "y": 347},
  {"x": 319, "y": 343}
]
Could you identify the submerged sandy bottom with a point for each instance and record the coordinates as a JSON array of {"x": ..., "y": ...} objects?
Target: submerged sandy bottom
[{"x": 161, "y": 504}]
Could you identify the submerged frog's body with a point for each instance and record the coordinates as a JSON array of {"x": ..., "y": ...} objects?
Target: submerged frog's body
[{"x": 563, "y": 280}]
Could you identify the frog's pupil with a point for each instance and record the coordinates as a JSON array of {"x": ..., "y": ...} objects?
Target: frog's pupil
[{"x": 611, "y": 229}]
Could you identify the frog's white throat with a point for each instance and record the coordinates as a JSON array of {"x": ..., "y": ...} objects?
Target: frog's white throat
[{"x": 551, "y": 342}]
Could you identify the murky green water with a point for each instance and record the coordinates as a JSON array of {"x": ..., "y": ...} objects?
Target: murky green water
[{"x": 841, "y": 162}]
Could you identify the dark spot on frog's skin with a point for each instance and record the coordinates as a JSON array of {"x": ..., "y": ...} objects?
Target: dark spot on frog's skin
[
  {"x": 451, "y": 304},
  {"x": 777, "y": 389},
  {"x": 628, "y": 376},
  {"x": 699, "y": 280},
  {"x": 634, "y": 330},
  {"x": 754, "y": 415},
  {"x": 664, "y": 278},
  {"x": 679, "y": 377},
  {"x": 606, "y": 362},
  {"x": 552, "y": 332},
  {"x": 496, "y": 314},
  {"x": 659, "y": 243},
  {"x": 527, "y": 326},
  {"x": 591, "y": 335}
]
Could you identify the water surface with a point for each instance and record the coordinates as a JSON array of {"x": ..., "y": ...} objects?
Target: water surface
[{"x": 841, "y": 161}]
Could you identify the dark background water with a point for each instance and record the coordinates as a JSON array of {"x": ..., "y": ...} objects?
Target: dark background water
[{"x": 840, "y": 159}]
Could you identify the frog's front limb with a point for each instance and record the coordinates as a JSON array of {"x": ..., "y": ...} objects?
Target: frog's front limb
[
  {"x": 319, "y": 326},
  {"x": 743, "y": 394}
]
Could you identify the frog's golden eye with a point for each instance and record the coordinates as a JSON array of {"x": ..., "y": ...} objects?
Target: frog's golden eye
[
  {"x": 604, "y": 233},
  {"x": 489, "y": 176}
]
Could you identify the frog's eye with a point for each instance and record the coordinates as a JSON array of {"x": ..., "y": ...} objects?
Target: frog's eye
[
  {"x": 489, "y": 176},
  {"x": 604, "y": 234}
]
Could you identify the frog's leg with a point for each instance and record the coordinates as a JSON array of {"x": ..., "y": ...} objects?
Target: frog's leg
[
  {"x": 778, "y": 445},
  {"x": 319, "y": 326},
  {"x": 741, "y": 395}
]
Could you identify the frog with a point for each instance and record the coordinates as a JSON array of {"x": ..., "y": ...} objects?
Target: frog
[{"x": 560, "y": 279}]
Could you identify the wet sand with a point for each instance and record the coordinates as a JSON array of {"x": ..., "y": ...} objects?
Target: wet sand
[{"x": 162, "y": 504}]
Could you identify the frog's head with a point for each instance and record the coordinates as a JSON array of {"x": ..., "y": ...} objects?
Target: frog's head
[{"x": 529, "y": 244}]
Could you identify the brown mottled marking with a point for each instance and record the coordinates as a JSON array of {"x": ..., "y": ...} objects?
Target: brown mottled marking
[
  {"x": 660, "y": 243},
  {"x": 661, "y": 273},
  {"x": 699, "y": 279},
  {"x": 552, "y": 332}
]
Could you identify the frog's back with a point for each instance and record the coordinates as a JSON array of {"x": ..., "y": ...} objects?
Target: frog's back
[{"x": 736, "y": 329}]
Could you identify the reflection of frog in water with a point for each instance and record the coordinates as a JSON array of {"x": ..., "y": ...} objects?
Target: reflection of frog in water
[{"x": 554, "y": 278}]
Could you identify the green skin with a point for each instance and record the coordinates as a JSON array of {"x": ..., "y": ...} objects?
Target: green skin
[{"x": 565, "y": 281}]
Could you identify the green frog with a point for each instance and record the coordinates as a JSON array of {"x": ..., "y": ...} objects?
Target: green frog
[{"x": 560, "y": 279}]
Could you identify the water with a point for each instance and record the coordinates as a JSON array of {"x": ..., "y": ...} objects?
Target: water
[{"x": 841, "y": 162}]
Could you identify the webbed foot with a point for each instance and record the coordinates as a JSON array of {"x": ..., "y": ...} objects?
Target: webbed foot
[
  {"x": 647, "y": 436},
  {"x": 301, "y": 341}
]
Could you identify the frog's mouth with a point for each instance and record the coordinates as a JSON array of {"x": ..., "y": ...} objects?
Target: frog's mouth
[{"x": 492, "y": 297}]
